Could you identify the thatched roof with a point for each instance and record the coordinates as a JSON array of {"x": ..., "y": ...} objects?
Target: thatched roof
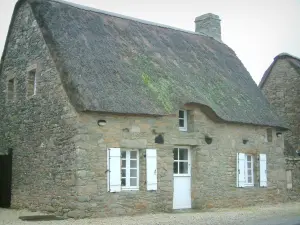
[
  {"x": 293, "y": 60},
  {"x": 112, "y": 63}
]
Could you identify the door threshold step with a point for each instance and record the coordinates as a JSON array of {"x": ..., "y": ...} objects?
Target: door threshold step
[{"x": 184, "y": 210}]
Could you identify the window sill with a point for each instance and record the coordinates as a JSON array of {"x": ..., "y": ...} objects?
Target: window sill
[
  {"x": 30, "y": 97},
  {"x": 130, "y": 189},
  {"x": 181, "y": 175},
  {"x": 182, "y": 129}
]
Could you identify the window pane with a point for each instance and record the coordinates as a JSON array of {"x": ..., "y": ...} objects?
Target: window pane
[
  {"x": 249, "y": 165},
  {"x": 123, "y": 163},
  {"x": 123, "y": 173},
  {"x": 175, "y": 153},
  {"x": 181, "y": 123},
  {"x": 249, "y": 179},
  {"x": 183, "y": 167},
  {"x": 123, "y": 154},
  {"x": 249, "y": 158},
  {"x": 133, "y": 154},
  {"x": 183, "y": 154},
  {"x": 133, "y": 181},
  {"x": 123, "y": 182},
  {"x": 181, "y": 114},
  {"x": 175, "y": 167},
  {"x": 133, "y": 173},
  {"x": 250, "y": 172},
  {"x": 133, "y": 164}
]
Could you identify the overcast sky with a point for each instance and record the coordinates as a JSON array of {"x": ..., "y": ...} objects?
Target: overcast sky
[{"x": 257, "y": 30}]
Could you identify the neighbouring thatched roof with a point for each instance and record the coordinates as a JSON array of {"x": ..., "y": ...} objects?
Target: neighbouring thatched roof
[
  {"x": 112, "y": 63},
  {"x": 293, "y": 60}
]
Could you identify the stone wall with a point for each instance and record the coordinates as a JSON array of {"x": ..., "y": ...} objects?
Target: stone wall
[
  {"x": 282, "y": 89},
  {"x": 213, "y": 165},
  {"x": 38, "y": 128},
  {"x": 59, "y": 155},
  {"x": 293, "y": 178}
]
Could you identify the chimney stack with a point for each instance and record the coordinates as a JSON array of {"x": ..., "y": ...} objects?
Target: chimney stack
[{"x": 210, "y": 25}]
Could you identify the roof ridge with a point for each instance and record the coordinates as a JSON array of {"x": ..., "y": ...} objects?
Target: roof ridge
[
  {"x": 285, "y": 54},
  {"x": 87, "y": 8},
  {"x": 269, "y": 69}
]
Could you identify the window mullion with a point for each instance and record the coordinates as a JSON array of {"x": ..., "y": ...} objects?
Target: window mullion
[
  {"x": 137, "y": 169},
  {"x": 252, "y": 170},
  {"x": 127, "y": 168},
  {"x": 185, "y": 119},
  {"x": 246, "y": 169}
]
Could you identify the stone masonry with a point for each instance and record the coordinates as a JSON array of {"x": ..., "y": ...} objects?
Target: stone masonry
[
  {"x": 39, "y": 128},
  {"x": 213, "y": 166},
  {"x": 59, "y": 155},
  {"x": 282, "y": 89}
]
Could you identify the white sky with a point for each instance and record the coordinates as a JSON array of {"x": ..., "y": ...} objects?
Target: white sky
[{"x": 257, "y": 30}]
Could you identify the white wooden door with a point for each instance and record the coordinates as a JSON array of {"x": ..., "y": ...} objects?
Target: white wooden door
[{"x": 182, "y": 178}]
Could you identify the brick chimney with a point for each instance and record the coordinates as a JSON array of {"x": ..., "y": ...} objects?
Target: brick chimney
[{"x": 209, "y": 24}]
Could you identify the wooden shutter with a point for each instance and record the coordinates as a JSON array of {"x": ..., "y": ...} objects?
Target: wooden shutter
[
  {"x": 151, "y": 169},
  {"x": 114, "y": 170},
  {"x": 240, "y": 170},
  {"x": 263, "y": 170}
]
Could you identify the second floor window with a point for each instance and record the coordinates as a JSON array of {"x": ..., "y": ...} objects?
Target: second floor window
[
  {"x": 183, "y": 120},
  {"x": 269, "y": 135},
  {"x": 11, "y": 89},
  {"x": 31, "y": 83}
]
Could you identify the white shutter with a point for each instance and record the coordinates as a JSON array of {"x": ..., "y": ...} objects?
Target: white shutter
[
  {"x": 240, "y": 176},
  {"x": 113, "y": 170},
  {"x": 151, "y": 169},
  {"x": 263, "y": 170}
]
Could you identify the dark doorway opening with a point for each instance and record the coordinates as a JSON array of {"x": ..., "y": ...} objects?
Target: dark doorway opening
[{"x": 5, "y": 179}]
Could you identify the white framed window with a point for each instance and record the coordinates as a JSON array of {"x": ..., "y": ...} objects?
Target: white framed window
[
  {"x": 249, "y": 176},
  {"x": 31, "y": 83},
  {"x": 182, "y": 161},
  {"x": 129, "y": 169},
  {"x": 182, "y": 120}
]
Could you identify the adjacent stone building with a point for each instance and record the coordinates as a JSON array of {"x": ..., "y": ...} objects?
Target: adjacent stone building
[
  {"x": 281, "y": 86},
  {"x": 109, "y": 115}
]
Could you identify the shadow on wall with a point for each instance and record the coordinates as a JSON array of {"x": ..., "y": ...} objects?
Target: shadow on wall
[{"x": 289, "y": 150}]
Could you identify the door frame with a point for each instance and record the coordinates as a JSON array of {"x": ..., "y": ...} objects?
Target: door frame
[{"x": 183, "y": 175}]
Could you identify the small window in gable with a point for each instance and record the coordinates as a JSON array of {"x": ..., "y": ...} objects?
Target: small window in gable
[
  {"x": 11, "y": 89},
  {"x": 31, "y": 83},
  {"x": 183, "y": 120},
  {"x": 269, "y": 135}
]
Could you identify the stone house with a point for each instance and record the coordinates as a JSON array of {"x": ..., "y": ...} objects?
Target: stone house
[
  {"x": 110, "y": 115},
  {"x": 281, "y": 86}
]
